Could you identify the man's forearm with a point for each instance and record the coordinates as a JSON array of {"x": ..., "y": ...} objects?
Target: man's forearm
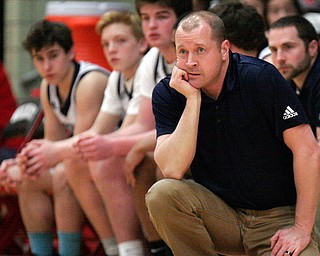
[
  {"x": 174, "y": 153},
  {"x": 307, "y": 179},
  {"x": 123, "y": 144}
]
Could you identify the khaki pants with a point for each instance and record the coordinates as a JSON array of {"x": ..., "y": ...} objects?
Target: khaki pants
[{"x": 195, "y": 222}]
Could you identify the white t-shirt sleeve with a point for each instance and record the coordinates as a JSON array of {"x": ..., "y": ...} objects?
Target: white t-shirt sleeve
[
  {"x": 145, "y": 73},
  {"x": 111, "y": 102}
]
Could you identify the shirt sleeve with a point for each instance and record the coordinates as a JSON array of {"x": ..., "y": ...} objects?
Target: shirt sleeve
[
  {"x": 167, "y": 105},
  {"x": 111, "y": 102},
  {"x": 145, "y": 74},
  {"x": 279, "y": 102}
]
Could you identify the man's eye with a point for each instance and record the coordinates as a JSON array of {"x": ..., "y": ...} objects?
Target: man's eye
[
  {"x": 182, "y": 53},
  {"x": 53, "y": 56},
  {"x": 162, "y": 17},
  {"x": 145, "y": 18},
  {"x": 122, "y": 40},
  {"x": 38, "y": 58},
  {"x": 288, "y": 47}
]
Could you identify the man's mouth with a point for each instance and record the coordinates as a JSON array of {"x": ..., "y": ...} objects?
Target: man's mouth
[{"x": 193, "y": 74}]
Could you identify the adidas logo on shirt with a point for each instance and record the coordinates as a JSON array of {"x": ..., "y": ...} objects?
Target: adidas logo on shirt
[{"x": 288, "y": 113}]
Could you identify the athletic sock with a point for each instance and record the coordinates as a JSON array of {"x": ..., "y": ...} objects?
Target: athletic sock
[
  {"x": 110, "y": 246},
  {"x": 41, "y": 243},
  {"x": 159, "y": 248},
  {"x": 131, "y": 248},
  {"x": 69, "y": 243}
]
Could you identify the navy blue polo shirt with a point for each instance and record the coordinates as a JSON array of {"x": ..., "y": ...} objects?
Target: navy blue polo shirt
[
  {"x": 310, "y": 95},
  {"x": 240, "y": 153}
]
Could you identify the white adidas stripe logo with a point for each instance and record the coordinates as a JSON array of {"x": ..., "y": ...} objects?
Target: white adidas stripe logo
[{"x": 288, "y": 113}]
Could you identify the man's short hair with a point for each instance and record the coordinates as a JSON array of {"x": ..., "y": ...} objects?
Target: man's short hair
[
  {"x": 194, "y": 19},
  {"x": 179, "y": 7},
  {"x": 306, "y": 30},
  {"x": 46, "y": 33}
]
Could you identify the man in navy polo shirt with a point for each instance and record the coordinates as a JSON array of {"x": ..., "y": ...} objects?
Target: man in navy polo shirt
[{"x": 255, "y": 162}]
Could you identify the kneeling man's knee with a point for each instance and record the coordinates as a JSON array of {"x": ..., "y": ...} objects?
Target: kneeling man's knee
[{"x": 161, "y": 195}]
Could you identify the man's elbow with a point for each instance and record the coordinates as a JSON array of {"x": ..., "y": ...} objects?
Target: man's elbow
[
  {"x": 170, "y": 167},
  {"x": 172, "y": 174},
  {"x": 169, "y": 171}
]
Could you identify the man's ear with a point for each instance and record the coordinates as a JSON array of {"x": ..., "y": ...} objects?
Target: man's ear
[
  {"x": 313, "y": 48},
  {"x": 225, "y": 47},
  {"x": 71, "y": 54}
]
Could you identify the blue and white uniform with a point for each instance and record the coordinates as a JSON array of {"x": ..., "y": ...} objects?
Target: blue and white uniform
[
  {"x": 121, "y": 97},
  {"x": 66, "y": 112},
  {"x": 152, "y": 69}
]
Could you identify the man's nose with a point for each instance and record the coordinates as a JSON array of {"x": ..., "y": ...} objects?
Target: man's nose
[{"x": 191, "y": 61}]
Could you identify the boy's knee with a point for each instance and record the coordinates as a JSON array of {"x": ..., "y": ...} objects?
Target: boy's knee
[
  {"x": 109, "y": 171},
  {"x": 60, "y": 182}
]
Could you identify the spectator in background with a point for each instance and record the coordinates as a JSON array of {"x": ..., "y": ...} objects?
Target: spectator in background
[
  {"x": 71, "y": 93},
  {"x": 258, "y": 4},
  {"x": 309, "y": 5},
  {"x": 294, "y": 47},
  {"x": 8, "y": 147},
  {"x": 245, "y": 28},
  {"x": 274, "y": 10},
  {"x": 158, "y": 20},
  {"x": 124, "y": 46},
  {"x": 201, "y": 4}
]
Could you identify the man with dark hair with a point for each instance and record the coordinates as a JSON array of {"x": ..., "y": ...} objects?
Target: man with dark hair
[
  {"x": 71, "y": 93},
  {"x": 245, "y": 136},
  {"x": 294, "y": 47},
  {"x": 244, "y": 27}
]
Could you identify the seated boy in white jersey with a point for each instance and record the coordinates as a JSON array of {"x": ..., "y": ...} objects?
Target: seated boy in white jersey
[
  {"x": 158, "y": 19},
  {"x": 71, "y": 93},
  {"x": 124, "y": 46}
]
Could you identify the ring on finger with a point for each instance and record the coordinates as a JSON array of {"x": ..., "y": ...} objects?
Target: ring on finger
[{"x": 288, "y": 252}]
